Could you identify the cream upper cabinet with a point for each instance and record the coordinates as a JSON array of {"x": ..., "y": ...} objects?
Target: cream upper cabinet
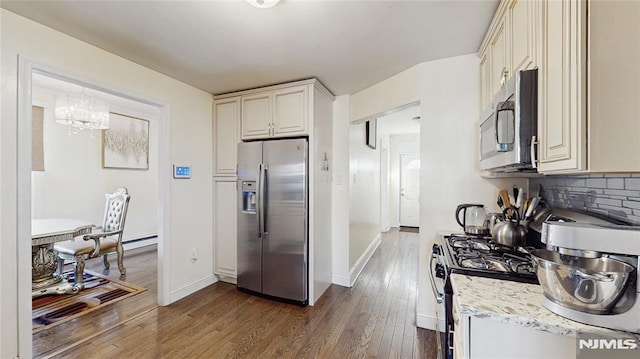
[
  {"x": 485, "y": 79},
  {"x": 561, "y": 100},
  {"x": 256, "y": 116},
  {"x": 613, "y": 95},
  {"x": 589, "y": 87},
  {"x": 510, "y": 45},
  {"x": 523, "y": 22},
  {"x": 500, "y": 69},
  {"x": 226, "y": 136},
  {"x": 278, "y": 113},
  {"x": 291, "y": 111}
]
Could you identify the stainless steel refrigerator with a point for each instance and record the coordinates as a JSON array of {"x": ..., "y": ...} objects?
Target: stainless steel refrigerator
[{"x": 272, "y": 219}]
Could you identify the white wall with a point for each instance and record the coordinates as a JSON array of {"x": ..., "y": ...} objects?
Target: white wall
[
  {"x": 364, "y": 191},
  {"x": 385, "y": 178},
  {"x": 400, "y": 144},
  {"x": 448, "y": 91},
  {"x": 340, "y": 193},
  {"x": 73, "y": 182},
  {"x": 189, "y": 115}
]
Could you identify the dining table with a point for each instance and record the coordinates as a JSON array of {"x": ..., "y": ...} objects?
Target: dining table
[{"x": 44, "y": 261}]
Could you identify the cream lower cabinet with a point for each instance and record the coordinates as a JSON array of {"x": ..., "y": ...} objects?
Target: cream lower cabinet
[
  {"x": 489, "y": 338},
  {"x": 277, "y": 113},
  {"x": 480, "y": 338},
  {"x": 589, "y": 87},
  {"x": 225, "y": 201},
  {"x": 226, "y": 136}
]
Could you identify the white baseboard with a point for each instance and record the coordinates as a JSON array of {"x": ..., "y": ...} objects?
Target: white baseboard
[
  {"x": 140, "y": 243},
  {"x": 363, "y": 260},
  {"x": 227, "y": 279},
  {"x": 192, "y": 288},
  {"x": 341, "y": 280},
  {"x": 429, "y": 322}
]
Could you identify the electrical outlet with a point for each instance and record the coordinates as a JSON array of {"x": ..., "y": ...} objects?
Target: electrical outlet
[{"x": 194, "y": 254}]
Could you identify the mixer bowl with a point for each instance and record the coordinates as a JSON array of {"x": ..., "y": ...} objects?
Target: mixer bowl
[{"x": 591, "y": 285}]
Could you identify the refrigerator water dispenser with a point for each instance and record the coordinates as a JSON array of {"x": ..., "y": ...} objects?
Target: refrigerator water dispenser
[{"x": 249, "y": 197}]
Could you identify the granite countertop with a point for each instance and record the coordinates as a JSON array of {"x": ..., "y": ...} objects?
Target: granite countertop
[{"x": 512, "y": 303}]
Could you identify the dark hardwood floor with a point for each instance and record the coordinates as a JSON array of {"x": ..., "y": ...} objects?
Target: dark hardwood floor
[{"x": 374, "y": 319}]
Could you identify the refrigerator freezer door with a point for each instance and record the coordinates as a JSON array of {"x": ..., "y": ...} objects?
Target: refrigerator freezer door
[
  {"x": 284, "y": 252},
  {"x": 249, "y": 266}
]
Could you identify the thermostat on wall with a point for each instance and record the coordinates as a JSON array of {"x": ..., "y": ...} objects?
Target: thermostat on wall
[{"x": 181, "y": 171}]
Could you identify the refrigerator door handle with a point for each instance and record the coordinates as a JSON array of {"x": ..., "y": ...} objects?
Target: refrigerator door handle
[
  {"x": 262, "y": 172},
  {"x": 263, "y": 198},
  {"x": 259, "y": 200}
]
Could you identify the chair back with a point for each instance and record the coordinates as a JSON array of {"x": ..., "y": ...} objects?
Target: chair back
[{"x": 115, "y": 211}]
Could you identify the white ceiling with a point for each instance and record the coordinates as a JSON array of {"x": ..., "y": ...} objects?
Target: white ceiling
[{"x": 222, "y": 46}]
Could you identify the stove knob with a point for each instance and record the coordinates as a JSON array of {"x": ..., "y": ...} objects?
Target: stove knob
[
  {"x": 436, "y": 249},
  {"x": 439, "y": 271}
]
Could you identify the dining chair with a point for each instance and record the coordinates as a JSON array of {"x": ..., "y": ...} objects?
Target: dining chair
[{"x": 101, "y": 241}]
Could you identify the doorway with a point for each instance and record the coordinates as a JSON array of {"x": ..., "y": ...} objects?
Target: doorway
[
  {"x": 27, "y": 72},
  {"x": 399, "y": 132}
]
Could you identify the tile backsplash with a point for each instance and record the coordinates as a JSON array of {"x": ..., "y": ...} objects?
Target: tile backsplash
[{"x": 612, "y": 195}]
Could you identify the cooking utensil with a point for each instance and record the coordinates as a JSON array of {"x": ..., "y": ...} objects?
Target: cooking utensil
[
  {"x": 532, "y": 208},
  {"x": 510, "y": 232},
  {"x": 504, "y": 195},
  {"x": 592, "y": 285},
  {"x": 474, "y": 218}
]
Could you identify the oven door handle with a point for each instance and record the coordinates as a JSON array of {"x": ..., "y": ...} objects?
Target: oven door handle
[{"x": 439, "y": 296}]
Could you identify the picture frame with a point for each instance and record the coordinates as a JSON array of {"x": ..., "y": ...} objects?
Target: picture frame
[
  {"x": 370, "y": 133},
  {"x": 125, "y": 145}
]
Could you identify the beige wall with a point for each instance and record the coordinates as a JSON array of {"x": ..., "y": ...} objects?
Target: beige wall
[
  {"x": 189, "y": 122},
  {"x": 448, "y": 91}
]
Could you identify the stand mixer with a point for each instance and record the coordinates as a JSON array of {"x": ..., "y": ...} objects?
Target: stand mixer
[{"x": 575, "y": 242}]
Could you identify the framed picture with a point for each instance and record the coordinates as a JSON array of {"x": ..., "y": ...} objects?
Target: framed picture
[
  {"x": 126, "y": 143},
  {"x": 370, "y": 133}
]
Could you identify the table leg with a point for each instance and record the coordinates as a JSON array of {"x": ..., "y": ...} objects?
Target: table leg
[{"x": 44, "y": 279}]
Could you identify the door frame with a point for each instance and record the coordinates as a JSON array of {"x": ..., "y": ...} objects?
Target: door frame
[{"x": 26, "y": 67}]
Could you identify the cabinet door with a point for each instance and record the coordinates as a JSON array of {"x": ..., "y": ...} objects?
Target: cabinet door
[
  {"x": 256, "y": 115},
  {"x": 485, "y": 81},
  {"x": 523, "y": 22},
  {"x": 226, "y": 135},
  {"x": 498, "y": 50},
  {"x": 291, "y": 111},
  {"x": 561, "y": 105},
  {"x": 515, "y": 341},
  {"x": 224, "y": 226}
]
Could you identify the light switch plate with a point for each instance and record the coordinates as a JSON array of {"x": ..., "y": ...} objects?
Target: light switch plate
[{"x": 181, "y": 171}]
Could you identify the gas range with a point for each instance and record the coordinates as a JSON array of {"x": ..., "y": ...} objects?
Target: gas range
[
  {"x": 477, "y": 256},
  {"x": 473, "y": 255}
]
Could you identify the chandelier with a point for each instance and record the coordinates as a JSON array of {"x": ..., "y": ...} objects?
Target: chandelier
[{"x": 82, "y": 112}]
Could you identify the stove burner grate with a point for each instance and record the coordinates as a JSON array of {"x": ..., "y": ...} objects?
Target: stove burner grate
[{"x": 480, "y": 254}]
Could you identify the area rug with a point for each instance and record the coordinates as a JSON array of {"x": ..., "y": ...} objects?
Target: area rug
[{"x": 99, "y": 292}]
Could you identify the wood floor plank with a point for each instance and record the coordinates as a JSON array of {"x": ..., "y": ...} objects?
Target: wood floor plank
[{"x": 374, "y": 318}]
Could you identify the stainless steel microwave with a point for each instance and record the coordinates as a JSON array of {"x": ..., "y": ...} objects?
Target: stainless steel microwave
[{"x": 508, "y": 127}]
